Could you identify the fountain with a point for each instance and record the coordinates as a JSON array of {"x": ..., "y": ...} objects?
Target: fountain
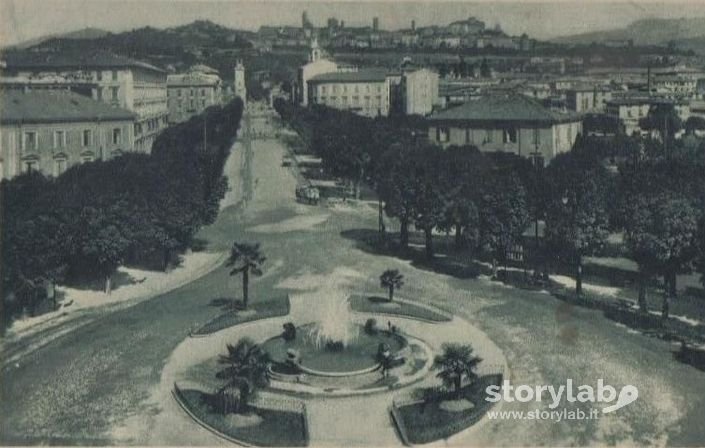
[
  {"x": 333, "y": 328},
  {"x": 333, "y": 342}
]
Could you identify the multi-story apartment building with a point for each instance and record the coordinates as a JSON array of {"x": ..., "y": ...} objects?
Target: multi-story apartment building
[
  {"x": 419, "y": 91},
  {"x": 116, "y": 80},
  {"x": 629, "y": 111},
  {"x": 365, "y": 92},
  {"x": 588, "y": 99},
  {"x": 511, "y": 123},
  {"x": 49, "y": 131},
  {"x": 191, "y": 93}
]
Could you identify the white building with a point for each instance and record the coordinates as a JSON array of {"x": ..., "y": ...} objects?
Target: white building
[
  {"x": 419, "y": 90},
  {"x": 116, "y": 80},
  {"x": 510, "y": 123},
  {"x": 51, "y": 130}
]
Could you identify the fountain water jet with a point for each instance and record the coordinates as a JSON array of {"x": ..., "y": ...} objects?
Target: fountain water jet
[{"x": 333, "y": 325}]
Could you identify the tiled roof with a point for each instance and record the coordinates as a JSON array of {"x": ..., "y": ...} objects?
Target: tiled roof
[
  {"x": 512, "y": 107},
  {"x": 371, "y": 75},
  {"x": 43, "y": 106},
  {"x": 73, "y": 60}
]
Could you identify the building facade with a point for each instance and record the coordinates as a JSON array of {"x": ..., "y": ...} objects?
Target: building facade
[
  {"x": 191, "y": 93},
  {"x": 419, "y": 89},
  {"x": 588, "y": 99},
  {"x": 115, "y": 80},
  {"x": 364, "y": 92},
  {"x": 629, "y": 112},
  {"x": 509, "y": 123},
  {"x": 50, "y": 131}
]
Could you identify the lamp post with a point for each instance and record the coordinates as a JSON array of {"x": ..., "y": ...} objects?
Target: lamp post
[
  {"x": 537, "y": 159},
  {"x": 566, "y": 200}
]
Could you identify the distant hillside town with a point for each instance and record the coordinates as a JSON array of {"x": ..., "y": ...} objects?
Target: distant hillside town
[{"x": 470, "y": 83}]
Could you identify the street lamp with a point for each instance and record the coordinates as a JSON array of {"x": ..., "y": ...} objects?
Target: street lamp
[{"x": 577, "y": 247}]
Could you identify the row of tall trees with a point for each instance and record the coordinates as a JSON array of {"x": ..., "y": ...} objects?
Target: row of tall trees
[
  {"x": 136, "y": 208},
  {"x": 657, "y": 197}
]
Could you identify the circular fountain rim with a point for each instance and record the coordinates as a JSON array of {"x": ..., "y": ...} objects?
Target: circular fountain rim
[{"x": 404, "y": 339}]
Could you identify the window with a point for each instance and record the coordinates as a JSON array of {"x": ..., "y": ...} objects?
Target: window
[
  {"x": 203, "y": 103},
  {"x": 31, "y": 141},
  {"x": 181, "y": 104},
  {"x": 510, "y": 135},
  {"x": 87, "y": 137},
  {"x": 442, "y": 134},
  {"x": 115, "y": 75},
  {"x": 537, "y": 137},
  {"x": 203, "y": 92},
  {"x": 59, "y": 139},
  {"x": 99, "y": 94},
  {"x": 467, "y": 135},
  {"x": 178, "y": 93},
  {"x": 193, "y": 104},
  {"x": 114, "y": 91},
  {"x": 99, "y": 75},
  {"x": 59, "y": 166},
  {"x": 85, "y": 158},
  {"x": 117, "y": 136},
  {"x": 29, "y": 166},
  {"x": 323, "y": 89},
  {"x": 488, "y": 136}
]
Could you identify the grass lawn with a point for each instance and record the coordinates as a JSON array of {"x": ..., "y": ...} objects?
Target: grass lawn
[
  {"x": 261, "y": 427},
  {"x": 258, "y": 310},
  {"x": 381, "y": 305},
  {"x": 426, "y": 422}
]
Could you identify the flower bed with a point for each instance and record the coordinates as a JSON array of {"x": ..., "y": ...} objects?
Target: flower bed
[
  {"x": 261, "y": 427},
  {"x": 258, "y": 310},
  {"x": 379, "y": 305},
  {"x": 427, "y": 421}
]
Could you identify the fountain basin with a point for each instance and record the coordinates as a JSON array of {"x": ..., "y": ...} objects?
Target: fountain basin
[{"x": 359, "y": 356}]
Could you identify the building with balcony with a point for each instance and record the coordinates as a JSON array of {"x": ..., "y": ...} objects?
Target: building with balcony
[
  {"x": 510, "y": 123},
  {"x": 115, "y": 80},
  {"x": 50, "y": 131}
]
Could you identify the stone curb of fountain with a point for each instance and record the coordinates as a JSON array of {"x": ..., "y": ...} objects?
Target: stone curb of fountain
[
  {"x": 176, "y": 393},
  {"x": 294, "y": 388},
  {"x": 405, "y": 316}
]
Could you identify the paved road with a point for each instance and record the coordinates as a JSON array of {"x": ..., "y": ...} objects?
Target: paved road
[{"x": 97, "y": 384}]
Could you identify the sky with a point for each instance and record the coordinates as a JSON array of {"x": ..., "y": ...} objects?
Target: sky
[{"x": 21, "y": 20}]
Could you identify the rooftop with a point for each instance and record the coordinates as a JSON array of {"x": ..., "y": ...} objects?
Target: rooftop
[
  {"x": 369, "y": 75},
  {"x": 73, "y": 60},
  {"x": 192, "y": 79},
  {"x": 510, "y": 107},
  {"x": 44, "y": 106}
]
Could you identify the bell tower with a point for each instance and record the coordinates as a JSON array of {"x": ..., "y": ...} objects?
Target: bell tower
[
  {"x": 239, "y": 87},
  {"x": 315, "y": 51}
]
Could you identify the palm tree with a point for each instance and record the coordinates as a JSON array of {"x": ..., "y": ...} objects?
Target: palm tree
[
  {"x": 246, "y": 258},
  {"x": 390, "y": 279},
  {"x": 456, "y": 363},
  {"x": 246, "y": 368}
]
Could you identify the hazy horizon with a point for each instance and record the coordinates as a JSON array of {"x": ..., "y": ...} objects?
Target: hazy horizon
[{"x": 22, "y": 20}]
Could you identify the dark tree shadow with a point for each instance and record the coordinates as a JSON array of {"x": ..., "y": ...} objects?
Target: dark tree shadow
[
  {"x": 226, "y": 303},
  {"x": 445, "y": 261},
  {"x": 692, "y": 356}
]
